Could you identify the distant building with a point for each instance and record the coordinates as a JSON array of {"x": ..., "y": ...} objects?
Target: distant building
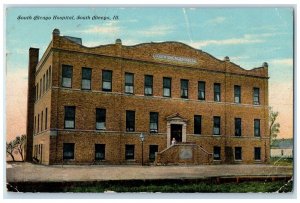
[
  {"x": 282, "y": 148},
  {"x": 90, "y": 105}
]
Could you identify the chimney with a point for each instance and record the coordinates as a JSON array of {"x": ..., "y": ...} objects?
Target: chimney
[
  {"x": 33, "y": 61},
  {"x": 55, "y": 37}
]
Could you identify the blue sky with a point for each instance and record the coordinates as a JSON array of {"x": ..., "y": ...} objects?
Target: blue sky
[{"x": 249, "y": 36}]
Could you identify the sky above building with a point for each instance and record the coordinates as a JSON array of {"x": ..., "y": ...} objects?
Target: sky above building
[{"x": 249, "y": 36}]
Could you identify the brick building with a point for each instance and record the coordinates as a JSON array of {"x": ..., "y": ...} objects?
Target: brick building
[{"x": 90, "y": 105}]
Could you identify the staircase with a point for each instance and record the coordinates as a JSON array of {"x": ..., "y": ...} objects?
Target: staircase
[{"x": 184, "y": 153}]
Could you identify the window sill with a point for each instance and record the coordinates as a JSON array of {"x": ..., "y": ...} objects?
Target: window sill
[
  {"x": 238, "y": 161},
  {"x": 257, "y": 161},
  {"x": 217, "y": 135},
  {"x": 130, "y": 160}
]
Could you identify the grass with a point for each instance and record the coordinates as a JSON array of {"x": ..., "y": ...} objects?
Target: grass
[
  {"x": 279, "y": 161},
  {"x": 276, "y": 186}
]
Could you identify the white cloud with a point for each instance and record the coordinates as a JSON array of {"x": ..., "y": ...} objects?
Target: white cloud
[
  {"x": 101, "y": 29},
  {"x": 216, "y": 20},
  {"x": 284, "y": 61},
  {"x": 231, "y": 41},
  {"x": 157, "y": 30}
]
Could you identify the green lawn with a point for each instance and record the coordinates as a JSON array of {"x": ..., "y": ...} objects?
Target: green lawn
[
  {"x": 243, "y": 187},
  {"x": 278, "y": 161}
]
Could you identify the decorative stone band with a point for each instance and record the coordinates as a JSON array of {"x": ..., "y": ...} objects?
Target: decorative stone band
[{"x": 176, "y": 59}]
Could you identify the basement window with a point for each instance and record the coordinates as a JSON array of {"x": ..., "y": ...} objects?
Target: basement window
[
  {"x": 217, "y": 153},
  {"x": 99, "y": 151},
  {"x": 68, "y": 151},
  {"x": 67, "y": 72},
  {"x": 86, "y": 78},
  {"x": 257, "y": 154},
  {"x": 129, "y": 83},
  {"x": 238, "y": 153},
  {"x": 152, "y": 150},
  {"x": 129, "y": 152},
  {"x": 100, "y": 119}
]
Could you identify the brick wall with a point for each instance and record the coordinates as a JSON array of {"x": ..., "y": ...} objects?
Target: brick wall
[{"x": 139, "y": 60}]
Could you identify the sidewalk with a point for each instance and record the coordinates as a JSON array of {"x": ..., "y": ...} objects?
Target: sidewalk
[{"x": 23, "y": 172}]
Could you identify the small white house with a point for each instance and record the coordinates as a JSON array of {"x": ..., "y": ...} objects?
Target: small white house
[{"x": 282, "y": 148}]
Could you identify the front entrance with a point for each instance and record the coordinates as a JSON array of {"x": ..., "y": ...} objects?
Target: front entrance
[{"x": 176, "y": 132}]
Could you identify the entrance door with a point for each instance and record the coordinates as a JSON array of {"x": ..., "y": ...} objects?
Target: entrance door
[{"x": 176, "y": 132}]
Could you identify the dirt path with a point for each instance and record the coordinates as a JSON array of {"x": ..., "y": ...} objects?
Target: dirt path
[{"x": 16, "y": 172}]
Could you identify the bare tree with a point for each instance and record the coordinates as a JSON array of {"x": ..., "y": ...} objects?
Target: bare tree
[
  {"x": 273, "y": 127},
  {"x": 10, "y": 148},
  {"x": 20, "y": 143}
]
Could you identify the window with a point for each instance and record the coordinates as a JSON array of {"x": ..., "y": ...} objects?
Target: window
[
  {"x": 68, "y": 151},
  {"x": 67, "y": 72},
  {"x": 41, "y": 88},
  {"x": 46, "y": 118},
  {"x": 130, "y": 121},
  {"x": 153, "y": 122},
  {"x": 217, "y": 153},
  {"x": 217, "y": 121},
  {"x": 99, "y": 151},
  {"x": 257, "y": 153},
  {"x": 201, "y": 90},
  {"x": 86, "y": 78},
  {"x": 44, "y": 84},
  {"x": 50, "y": 77},
  {"x": 47, "y": 80},
  {"x": 129, "y": 152},
  {"x": 152, "y": 150},
  {"x": 237, "y": 94},
  {"x": 197, "y": 124},
  {"x": 148, "y": 85},
  {"x": 106, "y": 80},
  {"x": 167, "y": 87},
  {"x": 238, "y": 153},
  {"x": 34, "y": 130},
  {"x": 256, "y": 127},
  {"x": 256, "y": 96},
  {"x": 42, "y": 117},
  {"x": 129, "y": 83},
  {"x": 100, "y": 119},
  {"x": 238, "y": 127},
  {"x": 184, "y": 88},
  {"x": 69, "y": 117},
  {"x": 37, "y": 91},
  {"x": 217, "y": 92},
  {"x": 38, "y": 127}
]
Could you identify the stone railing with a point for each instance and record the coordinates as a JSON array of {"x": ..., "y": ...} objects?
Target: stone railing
[{"x": 183, "y": 153}]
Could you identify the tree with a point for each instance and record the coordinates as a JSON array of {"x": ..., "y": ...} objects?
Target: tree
[
  {"x": 273, "y": 127},
  {"x": 20, "y": 142},
  {"x": 16, "y": 146},
  {"x": 10, "y": 148}
]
